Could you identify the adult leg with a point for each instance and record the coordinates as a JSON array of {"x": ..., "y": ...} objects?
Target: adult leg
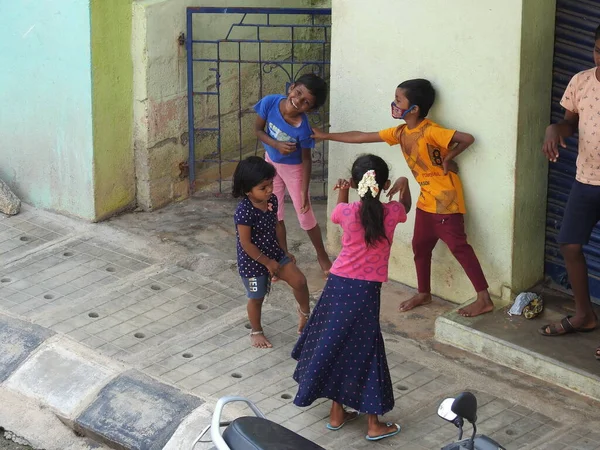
[
  {"x": 423, "y": 243},
  {"x": 451, "y": 229}
]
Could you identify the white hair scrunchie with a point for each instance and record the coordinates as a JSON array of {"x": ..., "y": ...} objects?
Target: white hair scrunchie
[{"x": 368, "y": 182}]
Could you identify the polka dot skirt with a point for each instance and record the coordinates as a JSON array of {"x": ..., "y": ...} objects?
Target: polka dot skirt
[{"x": 341, "y": 354}]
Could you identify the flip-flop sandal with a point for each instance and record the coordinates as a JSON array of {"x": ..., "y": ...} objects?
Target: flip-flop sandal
[
  {"x": 350, "y": 419},
  {"x": 567, "y": 328},
  {"x": 383, "y": 436}
]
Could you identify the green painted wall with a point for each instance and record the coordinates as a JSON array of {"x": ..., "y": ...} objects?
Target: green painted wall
[
  {"x": 112, "y": 106},
  {"x": 531, "y": 168}
]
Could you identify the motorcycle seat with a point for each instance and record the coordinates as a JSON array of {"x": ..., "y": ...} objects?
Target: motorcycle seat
[{"x": 256, "y": 433}]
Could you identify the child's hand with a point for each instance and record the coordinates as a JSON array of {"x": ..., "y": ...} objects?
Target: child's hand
[
  {"x": 551, "y": 142},
  {"x": 285, "y": 148},
  {"x": 341, "y": 185},
  {"x": 273, "y": 267},
  {"x": 304, "y": 202},
  {"x": 318, "y": 134},
  {"x": 452, "y": 166},
  {"x": 400, "y": 186},
  {"x": 449, "y": 165}
]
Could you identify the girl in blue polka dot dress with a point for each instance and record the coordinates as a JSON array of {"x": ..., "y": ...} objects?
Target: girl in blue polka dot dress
[
  {"x": 340, "y": 354},
  {"x": 262, "y": 254}
]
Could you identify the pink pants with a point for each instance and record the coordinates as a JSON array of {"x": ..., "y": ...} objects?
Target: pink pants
[{"x": 290, "y": 176}]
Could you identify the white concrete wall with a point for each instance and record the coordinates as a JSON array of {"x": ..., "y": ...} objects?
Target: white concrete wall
[
  {"x": 46, "y": 145},
  {"x": 471, "y": 52}
]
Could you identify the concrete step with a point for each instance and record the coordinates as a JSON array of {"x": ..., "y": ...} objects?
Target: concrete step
[{"x": 514, "y": 342}]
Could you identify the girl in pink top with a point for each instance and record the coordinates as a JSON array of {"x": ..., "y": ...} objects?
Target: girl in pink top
[{"x": 340, "y": 354}]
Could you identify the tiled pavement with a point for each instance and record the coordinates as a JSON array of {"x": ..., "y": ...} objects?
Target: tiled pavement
[
  {"x": 190, "y": 330},
  {"x": 26, "y": 232}
]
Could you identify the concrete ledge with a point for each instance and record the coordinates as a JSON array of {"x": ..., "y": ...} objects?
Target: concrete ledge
[
  {"x": 92, "y": 394},
  {"x": 134, "y": 411},
  {"x": 18, "y": 339},
  {"x": 64, "y": 375},
  {"x": 449, "y": 330}
]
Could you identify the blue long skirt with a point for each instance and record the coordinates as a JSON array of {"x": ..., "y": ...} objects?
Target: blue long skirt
[{"x": 341, "y": 354}]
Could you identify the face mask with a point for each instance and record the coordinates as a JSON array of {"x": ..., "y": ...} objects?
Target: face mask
[{"x": 399, "y": 113}]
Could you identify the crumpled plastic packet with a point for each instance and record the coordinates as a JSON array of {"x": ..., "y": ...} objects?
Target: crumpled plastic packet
[{"x": 528, "y": 304}]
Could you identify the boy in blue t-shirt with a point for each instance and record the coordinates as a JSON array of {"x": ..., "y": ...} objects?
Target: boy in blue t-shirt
[{"x": 283, "y": 127}]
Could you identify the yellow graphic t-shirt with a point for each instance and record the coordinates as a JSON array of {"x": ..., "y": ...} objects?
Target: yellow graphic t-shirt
[{"x": 424, "y": 148}]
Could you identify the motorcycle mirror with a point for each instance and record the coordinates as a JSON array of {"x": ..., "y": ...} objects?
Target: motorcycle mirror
[
  {"x": 465, "y": 405},
  {"x": 445, "y": 410}
]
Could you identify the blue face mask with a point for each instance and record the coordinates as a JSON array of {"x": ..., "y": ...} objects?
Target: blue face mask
[{"x": 399, "y": 113}]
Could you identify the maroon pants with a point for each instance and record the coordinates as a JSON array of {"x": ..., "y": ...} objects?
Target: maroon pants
[{"x": 450, "y": 228}]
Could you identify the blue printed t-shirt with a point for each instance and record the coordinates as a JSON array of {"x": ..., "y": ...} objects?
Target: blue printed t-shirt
[
  {"x": 280, "y": 130},
  {"x": 264, "y": 236}
]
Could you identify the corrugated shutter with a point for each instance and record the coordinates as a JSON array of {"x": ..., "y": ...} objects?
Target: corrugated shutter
[{"x": 576, "y": 21}]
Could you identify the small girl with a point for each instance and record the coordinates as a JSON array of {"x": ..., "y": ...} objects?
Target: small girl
[
  {"x": 262, "y": 254},
  {"x": 341, "y": 354},
  {"x": 283, "y": 127}
]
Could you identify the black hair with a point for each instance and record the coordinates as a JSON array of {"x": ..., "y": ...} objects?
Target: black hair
[
  {"x": 597, "y": 34},
  {"x": 419, "y": 92},
  {"x": 371, "y": 209},
  {"x": 316, "y": 86},
  {"x": 249, "y": 173}
]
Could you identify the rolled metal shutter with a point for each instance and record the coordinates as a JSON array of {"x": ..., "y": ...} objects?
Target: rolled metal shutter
[{"x": 576, "y": 21}]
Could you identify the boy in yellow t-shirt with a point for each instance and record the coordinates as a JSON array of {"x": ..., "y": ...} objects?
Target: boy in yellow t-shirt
[{"x": 429, "y": 151}]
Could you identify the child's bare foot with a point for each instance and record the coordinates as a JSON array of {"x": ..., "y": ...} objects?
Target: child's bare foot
[
  {"x": 483, "y": 304},
  {"x": 258, "y": 340},
  {"x": 418, "y": 300},
  {"x": 302, "y": 319}
]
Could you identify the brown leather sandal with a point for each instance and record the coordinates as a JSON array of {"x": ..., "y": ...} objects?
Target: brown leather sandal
[{"x": 564, "y": 327}]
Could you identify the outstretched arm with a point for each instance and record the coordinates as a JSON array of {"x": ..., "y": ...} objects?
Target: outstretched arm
[{"x": 349, "y": 137}]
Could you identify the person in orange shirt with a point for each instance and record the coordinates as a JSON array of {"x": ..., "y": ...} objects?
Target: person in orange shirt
[{"x": 429, "y": 151}]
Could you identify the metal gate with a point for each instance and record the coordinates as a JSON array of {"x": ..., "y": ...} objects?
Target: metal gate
[
  {"x": 576, "y": 21},
  {"x": 236, "y": 56}
]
